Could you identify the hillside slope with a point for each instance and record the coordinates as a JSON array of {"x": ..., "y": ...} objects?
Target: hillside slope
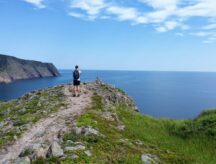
[
  {"x": 12, "y": 68},
  {"x": 101, "y": 126}
]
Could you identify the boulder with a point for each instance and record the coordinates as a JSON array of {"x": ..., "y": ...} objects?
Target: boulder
[
  {"x": 77, "y": 130},
  {"x": 27, "y": 151},
  {"x": 23, "y": 160},
  {"x": 88, "y": 153},
  {"x": 23, "y": 110},
  {"x": 148, "y": 159},
  {"x": 74, "y": 148},
  {"x": 40, "y": 153},
  {"x": 88, "y": 130},
  {"x": 55, "y": 150},
  {"x": 74, "y": 156}
]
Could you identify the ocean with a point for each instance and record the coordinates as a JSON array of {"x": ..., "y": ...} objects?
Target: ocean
[{"x": 178, "y": 95}]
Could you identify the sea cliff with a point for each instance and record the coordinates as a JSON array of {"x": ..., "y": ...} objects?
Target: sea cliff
[{"x": 12, "y": 68}]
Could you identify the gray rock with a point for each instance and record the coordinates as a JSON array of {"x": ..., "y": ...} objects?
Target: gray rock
[
  {"x": 40, "y": 134},
  {"x": 23, "y": 110},
  {"x": 121, "y": 127},
  {"x": 7, "y": 111},
  {"x": 77, "y": 130},
  {"x": 88, "y": 153},
  {"x": 1, "y": 124},
  {"x": 39, "y": 104},
  {"x": 15, "y": 137},
  {"x": 55, "y": 150},
  {"x": 74, "y": 148},
  {"x": 23, "y": 160},
  {"x": 89, "y": 130},
  {"x": 69, "y": 142},
  {"x": 74, "y": 156},
  {"x": 109, "y": 116},
  {"x": 27, "y": 151},
  {"x": 148, "y": 159},
  {"x": 40, "y": 153}
]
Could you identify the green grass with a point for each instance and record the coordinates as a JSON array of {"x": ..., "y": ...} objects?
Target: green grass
[
  {"x": 160, "y": 137},
  {"x": 108, "y": 148},
  {"x": 159, "y": 133}
]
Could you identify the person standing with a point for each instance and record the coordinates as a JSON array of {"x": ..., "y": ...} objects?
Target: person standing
[{"x": 76, "y": 81}]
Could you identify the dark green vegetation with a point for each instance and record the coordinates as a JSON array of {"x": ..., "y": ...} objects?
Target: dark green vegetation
[
  {"x": 18, "y": 115},
  {"x": 171, "y": 141},
  {"x": 203, "y": 126}
]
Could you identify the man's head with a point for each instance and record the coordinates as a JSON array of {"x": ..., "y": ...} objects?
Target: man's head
[{"x": 76, "y": 67}]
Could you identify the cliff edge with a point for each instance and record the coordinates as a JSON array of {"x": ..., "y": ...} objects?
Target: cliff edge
[
  {"x": 101, "y": 126},
  {"x": 12, "y": 68}
]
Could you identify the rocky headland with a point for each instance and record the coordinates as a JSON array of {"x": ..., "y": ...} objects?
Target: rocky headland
[
  {"x": 103, "y": 125},
  {"x": 12, "y": 68}
]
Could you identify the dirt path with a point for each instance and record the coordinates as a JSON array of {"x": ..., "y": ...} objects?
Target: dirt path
[{"x": 47, "y": 130}]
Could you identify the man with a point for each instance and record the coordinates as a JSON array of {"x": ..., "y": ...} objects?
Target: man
[{"x": 76, "y": 81}]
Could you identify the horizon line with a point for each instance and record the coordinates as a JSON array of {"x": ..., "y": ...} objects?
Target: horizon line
[{"x": 125, "y": 70}]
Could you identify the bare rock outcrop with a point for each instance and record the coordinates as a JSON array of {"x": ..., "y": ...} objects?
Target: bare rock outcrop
[{"x": 12, "y": 68}]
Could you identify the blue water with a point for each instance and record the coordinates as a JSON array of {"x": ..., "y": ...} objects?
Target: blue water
[{"x": 160, "y": 94}]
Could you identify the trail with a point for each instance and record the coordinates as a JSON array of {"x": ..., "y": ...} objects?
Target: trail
[{"x": 46, "y": 130}]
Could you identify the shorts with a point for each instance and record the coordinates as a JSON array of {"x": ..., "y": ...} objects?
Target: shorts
[{"x": 76, "y": 83}]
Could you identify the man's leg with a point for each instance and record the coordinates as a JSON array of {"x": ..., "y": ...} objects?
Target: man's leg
[
  {"x": 74, "y": 90},
  {"x": 78, "y": 89}
]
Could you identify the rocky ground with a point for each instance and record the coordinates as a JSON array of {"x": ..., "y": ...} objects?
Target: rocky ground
[
  {"x": 47, "y": 126},
  {"x": 38, "y": 137}
]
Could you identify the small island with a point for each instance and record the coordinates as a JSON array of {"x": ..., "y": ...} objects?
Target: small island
[{"x": 12, "y": 68}]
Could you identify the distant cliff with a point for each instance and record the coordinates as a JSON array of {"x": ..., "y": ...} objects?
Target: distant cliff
[{"x": 12, "y": 68}]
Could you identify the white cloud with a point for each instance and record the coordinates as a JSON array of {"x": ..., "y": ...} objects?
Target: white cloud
[
  {"x": 76, "y": 15},
  {"x": 210, "y": 27},
  {"x": 91, "y": 7},
  {"x": 169, "y": 25},
  {"x": 203, "y": 8},
  {"x": 161, "y": 29},
  {"x": 163, "y": 15},
  {"x": 162, "y": 4},
  {"x": 202, "y": 33},
  {"x": 124, "y": 13},
  {"x": 37, "y": 3}
]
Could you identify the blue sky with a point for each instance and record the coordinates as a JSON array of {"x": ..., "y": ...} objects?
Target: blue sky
[{"x": 165, "y": 35}]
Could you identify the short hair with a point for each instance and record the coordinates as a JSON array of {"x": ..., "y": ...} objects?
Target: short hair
[{"x": 76, "y": 66}]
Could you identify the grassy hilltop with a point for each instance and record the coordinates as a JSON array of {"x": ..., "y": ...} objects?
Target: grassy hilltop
[{"x": 109, "y": 130}]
